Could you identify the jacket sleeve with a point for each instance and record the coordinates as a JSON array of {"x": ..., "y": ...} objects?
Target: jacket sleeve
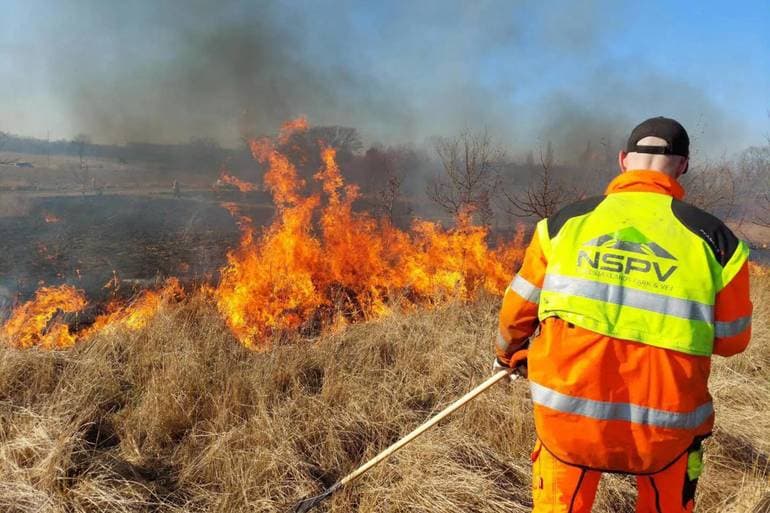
[
  {"x": 518, "y": 315},
  {"x": 732, "y": 315}
]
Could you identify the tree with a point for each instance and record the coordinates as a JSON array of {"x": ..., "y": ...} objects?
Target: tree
[
  {"x": 3, "y": 142},
  {"x": 548, "y": 159},
  {"x": 82, "y": 175},
  {"x": 81, "y": 142},
  {"x": 344, "y": 139},
  {"x": 470, "y": 163},
  {"x": 544, "y": 196},
  {"x": 529, "y": 161},
  {"x": 304, "y": 147},
  {"x": 389, "y": 197},
  {"x": 712, "y": 187},
  {"x": 753, "y": 188}
]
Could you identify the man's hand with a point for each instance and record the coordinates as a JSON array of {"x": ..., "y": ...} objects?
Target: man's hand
[
  {"x": 517, "y": 362},
  {"x": 497, "y": 366}
]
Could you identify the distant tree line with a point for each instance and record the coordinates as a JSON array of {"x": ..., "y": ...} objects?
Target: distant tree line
[
  {"x": 196, "y": 154},
  {"x": 469, "y": 172}
]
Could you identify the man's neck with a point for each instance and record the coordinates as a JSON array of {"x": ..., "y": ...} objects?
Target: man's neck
[{"x": 646, "y": 180}]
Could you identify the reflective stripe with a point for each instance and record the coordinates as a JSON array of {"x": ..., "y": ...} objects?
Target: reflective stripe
[
  {"x": 502, "y": 343},
  {"x": 525, "y": 289},
  {"x": 624, "y": 296},
  {"x": 620, "y": 411},
  {"x": 732, "y": 328}
]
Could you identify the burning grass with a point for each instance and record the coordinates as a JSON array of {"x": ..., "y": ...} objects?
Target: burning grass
[
  {"x": 158, "y": 405},
  {"x": 318, "y": 266},
  {"x": 177, "y": 416}
]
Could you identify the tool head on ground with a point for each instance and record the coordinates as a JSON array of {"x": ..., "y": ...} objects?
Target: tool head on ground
[{"x": 309, "y": 503}]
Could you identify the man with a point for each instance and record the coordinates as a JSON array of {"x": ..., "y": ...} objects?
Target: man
[{"x": 632, "y": 293}]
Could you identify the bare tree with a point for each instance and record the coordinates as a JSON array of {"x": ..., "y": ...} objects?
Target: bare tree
[
  {"x": 344, "y": 139},
  {"x": 303, "y": 147},
  {"x": 82, "y": 175},
  {"x": 753, "y": 167},
  {"x": 470, "y": 177},
  {"x": 544, "y": 196},
  {"x": 390, "y": 196},
  {"x": 713, "y": 188},
  {"x": 81, "y": 142},
  {"x": 3, "y": 143},
  {"x": 763, "y": 219}
]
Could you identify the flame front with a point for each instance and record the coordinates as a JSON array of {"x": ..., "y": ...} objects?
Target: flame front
[
  {"x": 351, "y": 266},
  {"x": 241, "y": 185},
  {"x": 34, "y": 322},
  {"x": 318, "y": 266},
  {"x": 138, "y": 312}
]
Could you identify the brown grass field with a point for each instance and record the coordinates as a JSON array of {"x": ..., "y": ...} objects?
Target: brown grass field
[{"x": 179, "y": 417}]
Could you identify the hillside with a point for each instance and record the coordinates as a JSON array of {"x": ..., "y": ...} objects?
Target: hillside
[{"x": 180, "y": 417}]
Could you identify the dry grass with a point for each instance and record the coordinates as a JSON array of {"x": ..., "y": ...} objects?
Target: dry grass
[{"x": 179, "y": 417}]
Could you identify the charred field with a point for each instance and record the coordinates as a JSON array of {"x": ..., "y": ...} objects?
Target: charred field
[{"x": 137, "y": 239}]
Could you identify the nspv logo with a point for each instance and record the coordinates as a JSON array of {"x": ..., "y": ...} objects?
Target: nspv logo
[{"x": 610, "y": 253}]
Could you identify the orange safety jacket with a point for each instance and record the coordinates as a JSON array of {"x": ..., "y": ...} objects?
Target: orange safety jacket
[{"x": 610, "y": 374}]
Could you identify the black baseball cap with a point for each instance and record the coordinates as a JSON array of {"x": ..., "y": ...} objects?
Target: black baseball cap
[{"x": 670, "y": 130}]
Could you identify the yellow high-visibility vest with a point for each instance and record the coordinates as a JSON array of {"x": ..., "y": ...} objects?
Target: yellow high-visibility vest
[{"x": 630, "y": 269}]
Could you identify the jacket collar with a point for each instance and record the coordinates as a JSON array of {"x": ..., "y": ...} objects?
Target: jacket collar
[{"x": 643, "y": 180}]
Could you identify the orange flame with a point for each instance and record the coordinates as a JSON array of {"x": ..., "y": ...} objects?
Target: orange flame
[
  {"x": 140, "y": 311},
  {"x": 319, "y": 266},
  {"x": 242, "y": 186},
  {"x": 33, "y": 322},
  {"x": 292, "y": 127},
  {"x": 50, "y": 218},
  {"x": 352, "y": 265}
]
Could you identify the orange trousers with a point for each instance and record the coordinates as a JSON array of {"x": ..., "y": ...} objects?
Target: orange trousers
[{"x": 561, "y": 488}]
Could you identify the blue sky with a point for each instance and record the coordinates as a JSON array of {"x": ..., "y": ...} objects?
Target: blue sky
[{"x": 399, "y": 71}]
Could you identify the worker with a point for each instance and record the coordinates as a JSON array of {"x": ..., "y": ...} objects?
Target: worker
[{"x": 625, "y": 297}]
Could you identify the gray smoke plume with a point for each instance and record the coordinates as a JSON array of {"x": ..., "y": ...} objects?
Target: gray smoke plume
[{"x": 398, "y": 71}]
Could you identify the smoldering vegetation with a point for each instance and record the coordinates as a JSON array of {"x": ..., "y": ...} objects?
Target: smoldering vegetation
[
  {"x": 91, "y": 240},
  {"x": 180, "y": 417},
  {"x": 96, "y": 210}
]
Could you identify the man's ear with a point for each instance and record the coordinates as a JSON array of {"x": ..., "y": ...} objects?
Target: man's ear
[
  {"x": 683, "y": 167},
  {"x": 621, "y": 161}
]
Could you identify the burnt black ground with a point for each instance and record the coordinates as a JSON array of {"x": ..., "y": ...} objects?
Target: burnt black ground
[{"x": 140, "y": 237}]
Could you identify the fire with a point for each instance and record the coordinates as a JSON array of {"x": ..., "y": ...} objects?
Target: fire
[
  {"x": 50, "y": 218},
  {"x": 291, "y": 127},
  {"x": 351, "y": 265},
  {"x": 35, "y": 323},
  {"x": 137, "y": 313},
  {"x": 227, "y": 178},
  {"x": 318, "y": 266},
  {"x": 41, "y": 321}
]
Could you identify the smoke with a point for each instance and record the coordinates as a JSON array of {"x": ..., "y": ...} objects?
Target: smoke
[
  {"x": 169, "y": 71},
  {"x": 606, "y": 109},
  {"x": 185, "y": 69}
]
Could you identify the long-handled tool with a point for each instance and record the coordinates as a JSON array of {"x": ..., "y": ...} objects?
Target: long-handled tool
[{"x": 311, "y": 502}]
